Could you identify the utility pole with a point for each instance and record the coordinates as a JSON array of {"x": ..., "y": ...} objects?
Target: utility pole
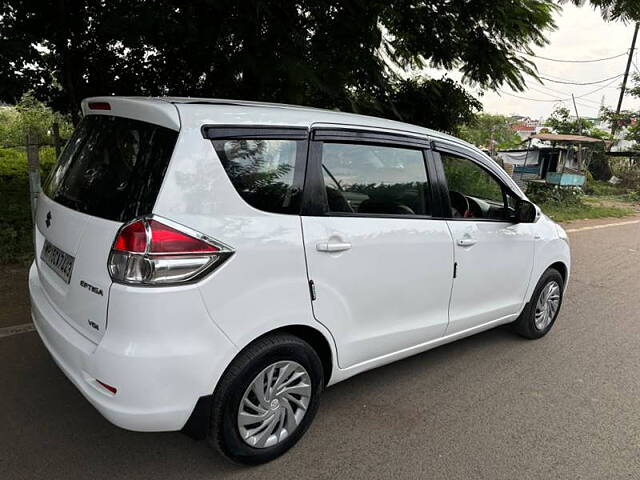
[
  {"x": 614, "y": 126},
  {"x": 579, "y": 132},
  {"x": 33, "y": 159}
]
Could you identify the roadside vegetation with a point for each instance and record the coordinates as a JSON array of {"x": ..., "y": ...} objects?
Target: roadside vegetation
[
  {"x": 16, "y": 238},
  {"x": 589, "y": 209},
  {"x": 597, "y": 199}
]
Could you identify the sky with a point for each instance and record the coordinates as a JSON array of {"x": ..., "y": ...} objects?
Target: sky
[{"x": 582, "y": 34}]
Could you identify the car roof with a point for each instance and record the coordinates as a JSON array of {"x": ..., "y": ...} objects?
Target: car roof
[{"x": 297, "y": 115}]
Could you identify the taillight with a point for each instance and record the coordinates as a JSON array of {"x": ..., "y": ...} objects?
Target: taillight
[{"x": 158, "y": 252}]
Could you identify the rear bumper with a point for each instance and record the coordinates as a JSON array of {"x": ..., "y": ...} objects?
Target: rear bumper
[{"x": 159, "y": 377}]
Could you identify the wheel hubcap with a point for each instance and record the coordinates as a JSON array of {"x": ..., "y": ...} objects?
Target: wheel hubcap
[
  {"x": 547, "y": 305},
  {"x": 274, "y": 404}
]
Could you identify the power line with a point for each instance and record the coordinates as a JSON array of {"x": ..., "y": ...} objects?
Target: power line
[
  {"x": 547, "y": 100},
  {"x": 532, "y": 99},
  {"x": 575, "y": 61},
  {"x": 545, "y": 93},
  {"x": 581, "y": 83},
  {"x": 596, "y": 90},
  {"x": 568, "y": 94}
]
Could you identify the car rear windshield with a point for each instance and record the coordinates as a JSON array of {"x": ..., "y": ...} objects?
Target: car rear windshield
[{"x": 112, "y": 167}]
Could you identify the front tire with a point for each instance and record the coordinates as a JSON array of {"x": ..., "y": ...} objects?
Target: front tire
[
  {"x": 541, "y": 312},
  {"x": 266, "y": 400}
]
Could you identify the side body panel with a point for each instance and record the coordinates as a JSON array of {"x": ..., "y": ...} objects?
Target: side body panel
[{"x": 264, "y": 285}]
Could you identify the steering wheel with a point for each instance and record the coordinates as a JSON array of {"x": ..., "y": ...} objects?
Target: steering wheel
[{"x": 459, "y": 205}]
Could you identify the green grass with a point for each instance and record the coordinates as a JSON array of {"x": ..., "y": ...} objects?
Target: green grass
[
  {"x": 602, "y": 189},
  {"x": 588, "y": 210},
  {"x": 16, "y": 235}
]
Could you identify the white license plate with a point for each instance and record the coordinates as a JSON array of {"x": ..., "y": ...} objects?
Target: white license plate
[{"x": 59, "y": 261}]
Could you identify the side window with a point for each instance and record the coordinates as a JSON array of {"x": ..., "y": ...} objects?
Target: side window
[
  {"x": 371, "y": 179},
  {"x": 473, "y": 192},
  {"x": 264, "y": 171}
]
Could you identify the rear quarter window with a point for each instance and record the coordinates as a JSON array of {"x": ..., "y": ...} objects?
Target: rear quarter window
[
  {"x": 112, "y": 167},
  {"x": 267, "y": 173}
]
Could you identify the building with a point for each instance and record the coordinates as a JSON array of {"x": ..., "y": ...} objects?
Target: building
[{"x": 554, "y": 158}]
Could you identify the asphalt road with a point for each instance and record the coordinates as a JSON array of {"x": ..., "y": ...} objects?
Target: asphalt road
[{"x": 493, "y": 406}]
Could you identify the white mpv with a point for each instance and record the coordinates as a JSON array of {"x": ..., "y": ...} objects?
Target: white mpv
[{"x": 213, "y": 265}]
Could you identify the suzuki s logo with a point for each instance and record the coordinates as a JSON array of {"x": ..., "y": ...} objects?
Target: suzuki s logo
[{"x": 48, "y": 219}]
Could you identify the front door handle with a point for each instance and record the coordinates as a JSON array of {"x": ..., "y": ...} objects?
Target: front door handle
[
  {"x": 467, "y": 242},
  {"x": 333, "y": 246}
]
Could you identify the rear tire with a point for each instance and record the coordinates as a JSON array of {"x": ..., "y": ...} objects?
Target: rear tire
[
  {"x": 541, "y": 312},
  {"x": 276, "y": 381}
]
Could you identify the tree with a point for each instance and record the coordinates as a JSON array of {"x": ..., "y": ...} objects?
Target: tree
[
  {"x": 562, "y": 122},
  {"x": 625, "y": 10},
  {"x": 30, "y": 115},
  {"x": 349, "y": 55},
  {"x": 487, "y": 128}
]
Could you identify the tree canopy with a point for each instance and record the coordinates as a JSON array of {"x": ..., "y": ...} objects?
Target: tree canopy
[
  {"x": 327, "y": 53},
  {"x": 487, "y": 128},
  {"x": 561, "y": 121},
  {"x": 351, "y": 55},
  {"x": 30, "y": 115},
  {"x": 625, "y": 10}
]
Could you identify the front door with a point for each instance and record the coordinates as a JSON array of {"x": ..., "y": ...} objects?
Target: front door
[
  {"x": 380, "y": 265},
  {"x": 493, "y": 255}
]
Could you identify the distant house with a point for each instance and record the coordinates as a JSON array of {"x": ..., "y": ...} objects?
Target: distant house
[
  {"x": 524, "y": 126},
  {"x": 551, "y": 157}
]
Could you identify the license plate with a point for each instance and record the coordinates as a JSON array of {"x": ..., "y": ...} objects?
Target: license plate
[{"x": 59, "y": 261}]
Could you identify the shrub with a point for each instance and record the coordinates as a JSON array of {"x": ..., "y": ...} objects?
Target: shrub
[
  {"x": 546, "y": 193},
  {"x": 600, "y": 188}
]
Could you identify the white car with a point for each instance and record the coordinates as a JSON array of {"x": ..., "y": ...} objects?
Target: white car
[{"x": 213, "y": 265}]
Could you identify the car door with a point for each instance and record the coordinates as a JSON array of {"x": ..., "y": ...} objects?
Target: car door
[
  {"x": 380, "y": 265},
  {"x": 493, "y": 255}
]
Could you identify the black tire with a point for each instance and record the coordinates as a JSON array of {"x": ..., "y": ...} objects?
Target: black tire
[
  {"x": 224, "y": 434},
  {"x": 525, "y": 325}
]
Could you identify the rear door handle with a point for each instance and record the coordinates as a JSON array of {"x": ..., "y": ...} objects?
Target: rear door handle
[
  {"x": 333, "y": 246},
  {"x": 467, "y": 242}
]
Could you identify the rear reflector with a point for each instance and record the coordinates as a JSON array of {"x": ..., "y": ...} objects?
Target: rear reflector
[
  {"x": 99, "y": 106},
  {"x": 113, "y": 390}
]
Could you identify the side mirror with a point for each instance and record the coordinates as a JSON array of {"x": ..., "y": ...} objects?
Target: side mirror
[{"x": 526, "y": 212}]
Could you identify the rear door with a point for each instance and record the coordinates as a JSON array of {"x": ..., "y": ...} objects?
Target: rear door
[
  {"x": 493, "y": 254},
  {"x": 109, "y": 173},
  {"x": 380, "y": 265}
]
